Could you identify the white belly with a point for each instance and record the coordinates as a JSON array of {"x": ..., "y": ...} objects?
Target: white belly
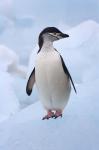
[{"x": 52, "y": 83}]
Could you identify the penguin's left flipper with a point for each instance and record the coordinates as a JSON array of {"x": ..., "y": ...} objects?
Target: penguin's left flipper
[
  {"x": 67, "y": 72},
  {"x": 30, "y": 83}
]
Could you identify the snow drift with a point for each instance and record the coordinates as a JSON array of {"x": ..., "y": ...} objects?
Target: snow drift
[
  {"x": 9, "y": 70},
  {"x": 8, "y": 102},
  {"x": 80, "y": 51},
  {"x": 9, "y": 61},
  {"x": 78, "y": 129}
]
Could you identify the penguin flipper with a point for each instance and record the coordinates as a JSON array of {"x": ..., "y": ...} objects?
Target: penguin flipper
[
  {"x": 30, "y": 83},
  {"x": 67, "y": 72}
]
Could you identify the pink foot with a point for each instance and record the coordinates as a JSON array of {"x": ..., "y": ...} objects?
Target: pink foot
[
  {"x": 58, "y": 114},
  {"x": 50, "y": 114}
]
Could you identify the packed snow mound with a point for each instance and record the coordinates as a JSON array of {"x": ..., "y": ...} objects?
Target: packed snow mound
[
  {"x": 7, "y": 57},
  {"x": 82, "y": 33},
  {"x": 80, "y": 51},
  {"x": 9, "y": 61},
  {"x": 79, "y": 35},
  {"x": 10, "y": 73},
  {"x": 9, "y": 104},
  {"x": 78, "y": 129},
  {"x": 18, "y": 69}
]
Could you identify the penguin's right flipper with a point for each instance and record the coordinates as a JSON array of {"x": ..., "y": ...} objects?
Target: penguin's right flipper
[
  {"x": 67, "y": 72},
  {"x": 30, "y": 83}
]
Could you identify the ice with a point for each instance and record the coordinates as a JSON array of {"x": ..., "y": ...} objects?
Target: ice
[
  {"x": 9, "y": 61},
  {"x": 80, "y": 50},
  {"x": 7, "y": 58},
  {"x": 79, "y": 34},
  {"x": 8, "y": 101},
  {"x": 10, "y": 65},
  {"x": 78, "y": 129},
  {"x": 10, "y": 73}
]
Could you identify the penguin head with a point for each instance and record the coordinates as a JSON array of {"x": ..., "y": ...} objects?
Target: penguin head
[{"x": 51, "y": 34}]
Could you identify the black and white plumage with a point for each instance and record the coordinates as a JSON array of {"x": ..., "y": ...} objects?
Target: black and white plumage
[{"x": 50, "y": 74}]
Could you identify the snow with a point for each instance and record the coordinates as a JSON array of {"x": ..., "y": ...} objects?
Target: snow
[
  {"x": 80, "y": 51},
  {"x": 7, "y": 57},
  {"x": 81, "y": 33},
  {"x": 9, "y": 61},
  {"x": 8, "y": 101},
  {"x": 10, "y": 72},
  {"x": 79, "y": 127}
]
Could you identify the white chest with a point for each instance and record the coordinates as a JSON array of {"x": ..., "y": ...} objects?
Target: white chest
[
  {"x": 49, "y": 70},
  {"x": 52, "y": 83},
  {"x": 47, "y": 64}
]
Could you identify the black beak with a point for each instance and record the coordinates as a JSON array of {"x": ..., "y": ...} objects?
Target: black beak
[{"x": 64, "y": 35}]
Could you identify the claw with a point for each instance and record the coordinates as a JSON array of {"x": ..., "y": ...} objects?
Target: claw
[
  {"x": 48, "y": 116},
  {"x": 51, "y": 114},
  {"x": 56, "y": 116}
]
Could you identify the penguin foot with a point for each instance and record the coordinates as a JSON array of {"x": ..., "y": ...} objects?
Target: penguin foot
[
  {"x": 55, "y": 116},
  {"x": 58, "y": 114},
  {"x": 49, "y": 115}
]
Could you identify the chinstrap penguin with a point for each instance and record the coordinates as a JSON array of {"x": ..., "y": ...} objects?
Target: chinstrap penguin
[{"x": 51, "y": 75}]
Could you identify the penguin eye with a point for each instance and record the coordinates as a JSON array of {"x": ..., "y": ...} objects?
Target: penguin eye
[{"x": 55, "y": 33}]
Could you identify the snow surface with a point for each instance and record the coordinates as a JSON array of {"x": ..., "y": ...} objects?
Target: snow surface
[
  {"x": 10, "y": 73},
  {"x": 8, "y": 101},
  {"x": 7, "y": 58},
  {"x": 9, "y": 61},
  {"x": 79, "y": 127},
  {"x": 80, "y": 51}
]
